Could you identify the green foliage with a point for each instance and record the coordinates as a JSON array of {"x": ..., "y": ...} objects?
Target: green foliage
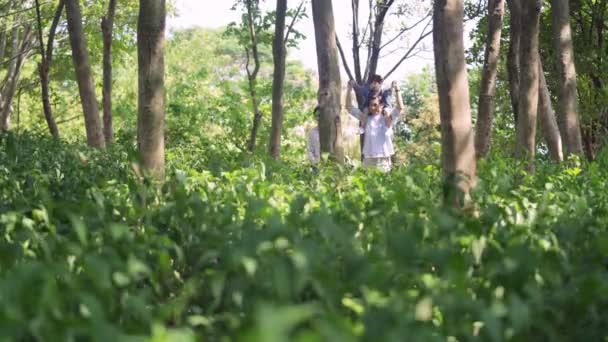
[{"x": 258, "y": 250}]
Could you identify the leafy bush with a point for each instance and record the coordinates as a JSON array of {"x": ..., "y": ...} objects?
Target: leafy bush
[{"x": 251, "y": 249}]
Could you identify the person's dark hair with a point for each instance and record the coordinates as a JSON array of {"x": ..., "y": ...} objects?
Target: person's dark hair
[
  {"x": 376, "y": 96},
  {"x": 372, "y": 98},
  {"x": 377, "y": 78}
]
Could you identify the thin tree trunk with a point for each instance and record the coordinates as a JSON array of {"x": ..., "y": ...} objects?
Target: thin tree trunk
[
  {"x": 84, "y": 76},
  {"x": 329, "y": 79},
  {"x": 2, "y": 42},
  {"x": 528, "y": 99},
  {"x": 567, "y": 109},
  {"x": 376, "y": 45},
  {"x": 548, "y": 120},
  {"x": 151, "y": 103},
  {"x": 3, "y": 33},
  {"x": 278, "y": 52},
  {"x": 252, "y": 75},
  {"x": 257, "y": 115},
  {"x": 7, "y": 85},
  {"x": 458, "y": 150},
  {"x": 513, "y": 67},
  {"x": 44, "y": 66},
  {"x": 483, "y": 134},
  {"x": 107, "y": 24},
  {"x": 355, "y": 42},
  {"x": 20, "y": 51}
]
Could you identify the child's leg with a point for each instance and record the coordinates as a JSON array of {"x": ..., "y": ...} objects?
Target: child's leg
[{"x": 387, "y": 96}]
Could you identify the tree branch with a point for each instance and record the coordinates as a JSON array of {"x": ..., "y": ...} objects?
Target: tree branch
[
  {"x": 53, "y": 31},
  {"x": 405, "y": 29},
  {"x": 344, "y": 61},
  {"x": 254, "y": 41},
  {"x": 355, "y": 43},
  {"x": 409, "y": 51},
  {"x": 293, "y": 21}
]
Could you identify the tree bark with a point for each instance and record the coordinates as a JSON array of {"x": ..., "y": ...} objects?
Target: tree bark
[
  {"x": 2, "y": 42},
  {"x": 567, "y": 109},
  {"x": 84, "y": 76},
  {"x": 483, "y": 133},
  {"x": 3, "y": 33},
  {"x": 548, "y": 120},
  {"x": 376, "y": 46},
  {"x": 528, "y": 93},
  {"x": 44, "y": 67},
  {"x": 513, "y": 67},
  {"x": 329, "y": 79},
  {"x": 252, "y": 75},
  {"x": 458, "y": 150},
  {"x": 151, "y": 84},
  {"x": 20, "y": 51},
  {"x": 107, "y": 25},
  {"x": 278, "y": 52},
  {"x": 9, "y": 81}
]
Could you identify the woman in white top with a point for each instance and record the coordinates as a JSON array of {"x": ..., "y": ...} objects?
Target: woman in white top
[
  {"x": 314, "y": 146},
  {"x": 378, "y": 142}
]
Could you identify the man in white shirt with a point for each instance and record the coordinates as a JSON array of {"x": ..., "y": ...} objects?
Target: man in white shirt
[
  {"x": 314, "y": 144},
  {"x": 378, "y": 144}
]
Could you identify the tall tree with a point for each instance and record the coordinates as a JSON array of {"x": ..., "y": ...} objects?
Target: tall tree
[
  {"x": 483, "y": 133},
  {"x": 45, "y": 64},
  {"x": 529, "y": 77},
  {"x": 567, "y": 109},
  {"x": 107, "y": 26},
  {"x": 251, "y": 51},
  {"x": 2, "y": 41},
  {"x": 279, "y": 50},
  {"x": 278, "y": 54},
  {"x": 513, "y": 54},
  {"x": 369, "y": 35},
  {"x": 329, "y": 93},
  {"x": 547, "y": 118},
  {"x": 151, "y": 84},
  {"x": 22, "y": 38},
  {"x": 84, "y": 76},
  {"x": 458, "y": 150}
]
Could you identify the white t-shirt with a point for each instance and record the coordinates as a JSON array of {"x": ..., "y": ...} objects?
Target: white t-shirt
[
  {"x": 314, "y": 146},
  {"x": 378, "y": 141}
]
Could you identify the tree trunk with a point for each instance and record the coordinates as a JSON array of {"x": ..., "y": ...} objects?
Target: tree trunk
[
  {"x": 2, "y": 42},
  {"x": 458, "y": 150},
  {"x": 44, "y": 67},
  {"x": 84, "y": 76},
  {"x": 278, "y": 52},
  {"x": 252, "y": 74},
  {"x": 548, "y": 120},
  {"x": 567, "y": 109},
  {"x": 329, "y": 79},
  {"x": 20, "y": 51},
  {"x": 151, "y": 99},
  {"x": 513, "y": 55},
  {"x": 4, "y": 27},
  {"x": 257, "y": 115},
  {"x": 528, "y": 93},
  {"x": 107, "y": 24},
  {"x": 6, "y": 93},
  {"x": 483, "y": 134}
]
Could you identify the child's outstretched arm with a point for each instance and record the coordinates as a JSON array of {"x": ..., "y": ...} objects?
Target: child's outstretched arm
[
  {"x": 398, "y": 110},
  {"x": 359, "y": 89},
  {"x": 354, "y": 111}
]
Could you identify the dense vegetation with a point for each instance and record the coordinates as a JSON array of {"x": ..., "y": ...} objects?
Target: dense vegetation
[
  {"x": 262, "y": 251},
  {"x": 236, "y": 245}
]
